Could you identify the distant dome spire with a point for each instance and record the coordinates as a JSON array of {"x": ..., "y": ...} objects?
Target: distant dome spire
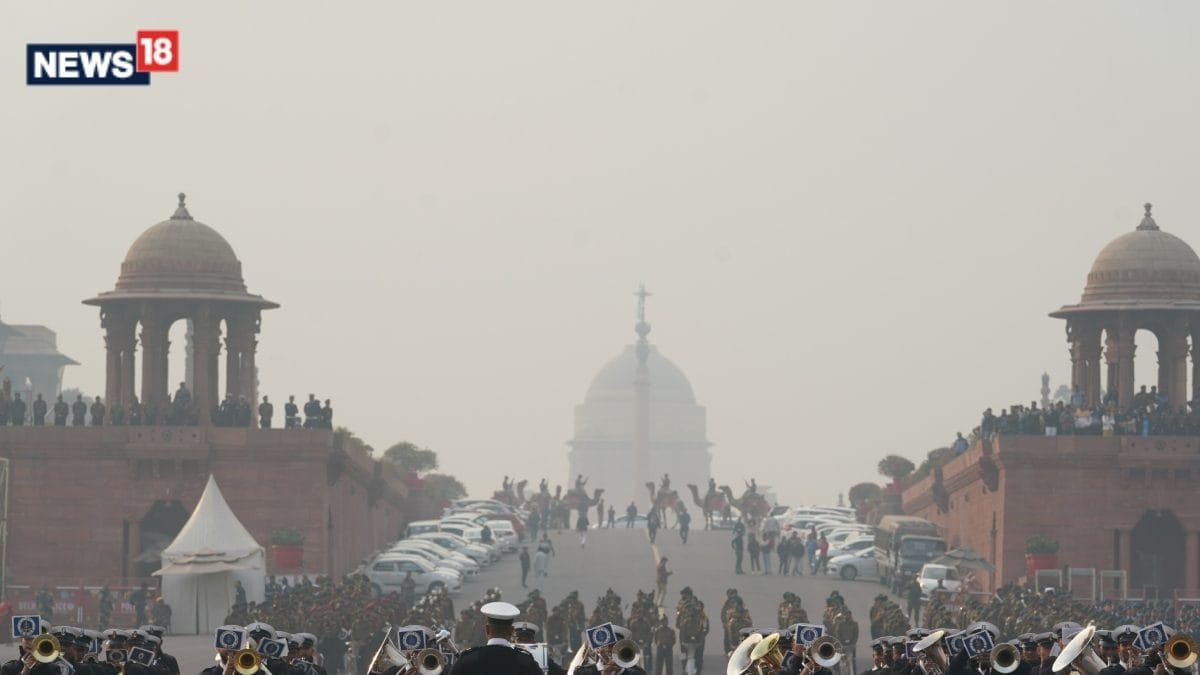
[
  {"x": 181, "y": 212},
  {"x": 1148, "y": 220},
  {"x": 642, "y": 327}
]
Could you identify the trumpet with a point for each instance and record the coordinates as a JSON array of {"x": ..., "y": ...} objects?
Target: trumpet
[
  {"x": 826, "y": 651},
  {"x": 45, "y": 649},
  {"x": 430, "y": 662},
  {"x": 1180, "y": 651},
  {"x": 626, "y": 653},
  {"x": 246, "y": 662},
  {"x": 1005, "y": 658}
]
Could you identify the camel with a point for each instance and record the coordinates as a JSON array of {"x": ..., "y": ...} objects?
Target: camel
[
  {"x": 579, "y": 501},
  {"x": 508, "y": 496},
  {"x": 661, "y": 500},
  {"x": 713, "y": 503},
  {"x": 751, "y": 503}
]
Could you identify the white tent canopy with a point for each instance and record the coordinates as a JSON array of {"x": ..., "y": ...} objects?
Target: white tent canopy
[{"x": 210, "y": 554}]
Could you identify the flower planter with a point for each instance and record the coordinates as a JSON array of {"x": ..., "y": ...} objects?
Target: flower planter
[
  {"x": 1040, "y": 561},
  {"x": 287, "y": 557}
]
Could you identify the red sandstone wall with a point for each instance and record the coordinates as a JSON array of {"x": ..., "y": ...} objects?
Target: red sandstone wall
[
  {"x": 1087, "y": 492},
  {"x": 70, "y": 489}
]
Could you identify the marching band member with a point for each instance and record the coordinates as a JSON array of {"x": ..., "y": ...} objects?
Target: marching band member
[{"x": 497, "y": 657}]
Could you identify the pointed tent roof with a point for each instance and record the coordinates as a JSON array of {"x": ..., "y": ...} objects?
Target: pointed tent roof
[{"x": 212, "y": 529}]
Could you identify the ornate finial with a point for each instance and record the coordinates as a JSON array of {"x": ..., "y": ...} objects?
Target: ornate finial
[
  {"x": 181, "y": 212},
  {"x": 1148, "y": 220},
  {"x": 642, "y": 328}
]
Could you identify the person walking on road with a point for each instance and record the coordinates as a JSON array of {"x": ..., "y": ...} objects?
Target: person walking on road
[
  {"x": 685, "y": 522},
  {"x": 540, "y": 560},
  {"x": 524, "y": 565},
  {"x": 630, "y": 514},
  {"x": 912, "y": 593},
  {"x": 652, "y": 524},
  {"x": 739, "y": 549},
  {"x": 768, "y": 545},
  {"x": 664, "y": 644},
  {"x": 612, "y": 517},
  {"x": 752, "y": 548},
  {"x": 661, "y": 574}
]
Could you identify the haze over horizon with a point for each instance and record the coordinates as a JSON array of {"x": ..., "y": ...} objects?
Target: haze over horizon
[{"x": 854, "y": 218}]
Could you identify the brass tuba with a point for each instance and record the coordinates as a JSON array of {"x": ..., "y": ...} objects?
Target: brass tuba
[
  {"x": 1079, "y": 653},
  {"x": 740, "y": 660},
  {"x": 1180, "y": 651},
  {"x": 765, "y": 656},
  {"x": 932, "y": 648},
  {"x": 826, "y": 651},
  {"x": 386, "y": 656},
  {"x": 45, "y": 649}
]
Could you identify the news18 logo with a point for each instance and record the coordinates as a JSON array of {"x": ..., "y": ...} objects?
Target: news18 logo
[{"x": 156, "y": 51}]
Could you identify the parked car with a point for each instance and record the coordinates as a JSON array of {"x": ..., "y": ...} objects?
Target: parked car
[
  {"x": 504, "y": 534},
  {"x": 387, "y": 572},
  {"x": 476, "y": 552},
  {"x": 850, "y": 546},
  {"x": 853, "y": 566},
  {"x": 419, "y": 526},
  {"x": 437, "y": 555},
  {"x": 931, "y": 574}
]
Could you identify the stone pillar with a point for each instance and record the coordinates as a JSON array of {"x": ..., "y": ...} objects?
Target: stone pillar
[
  {"x": 1091, "y": 355},
  {"x": 249, "y": 369},
  {"x": 113, "y": 341},
  {"x": 128, "y": 361},
  {"x": 152, "y": 336},
  {"x": 1126, "y": 350},
  {"x": 1177, "y": 349},
  {"x": 233, "y": 353},
  {"x": 1191, "y": 561},
  {"x": 1112, "y": 359},
  {"x": 1195, "y": 366},
  {"x": 206, "y": 335}
]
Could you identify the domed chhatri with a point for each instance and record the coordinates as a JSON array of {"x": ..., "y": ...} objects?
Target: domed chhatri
[
  {"x": 184, "y": 258},
  {"x": 615, "y": 381},
  {"x": 1142, "y": 280},
  {"x": 1143, "y": 269},
  {"x": 180, "y": 269}
]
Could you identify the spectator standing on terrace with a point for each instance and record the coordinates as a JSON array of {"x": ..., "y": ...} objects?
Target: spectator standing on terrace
[{"x": 960, "y": 444}]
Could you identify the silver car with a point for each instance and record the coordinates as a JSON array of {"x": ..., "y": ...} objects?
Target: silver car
[{"x": 851, "y": 566}]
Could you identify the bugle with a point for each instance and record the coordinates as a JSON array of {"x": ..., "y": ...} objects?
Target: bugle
[
  {"x": 1005, "y": 658},
  {"x": 1180, "y": 651},
  {"x": 826, "y": 651}
]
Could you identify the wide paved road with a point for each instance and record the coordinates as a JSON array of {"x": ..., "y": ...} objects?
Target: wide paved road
[{"x": 624, "y": 560}]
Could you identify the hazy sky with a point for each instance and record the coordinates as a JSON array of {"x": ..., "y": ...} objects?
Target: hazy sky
[{"x": 854, "y": 216}]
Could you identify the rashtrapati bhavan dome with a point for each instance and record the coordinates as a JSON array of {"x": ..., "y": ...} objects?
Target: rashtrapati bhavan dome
[{"x": 639, "y": 420}]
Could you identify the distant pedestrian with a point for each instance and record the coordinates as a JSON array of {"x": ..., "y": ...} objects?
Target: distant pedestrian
[
  {"x": 912, "y": 594},
  {"x": 661, "y": 575},
  {"x": 739, "y": 549},
  {"x": 524, "y": 565},
  {"x": 652, "y": 524},
  {"x": 630, "y": 514},
  {"x": 752, "y": 548},
  {"x": 685, "y": 523},
  {"x": 768, "y": 545},
  {"x": 540, "y": 560},
  {"x": 822, "y": 554},
  {"x": 612, "y": 517}
]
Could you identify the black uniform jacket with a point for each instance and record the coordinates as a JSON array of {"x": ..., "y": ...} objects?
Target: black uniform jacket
[{"x": 495, "y": 660}]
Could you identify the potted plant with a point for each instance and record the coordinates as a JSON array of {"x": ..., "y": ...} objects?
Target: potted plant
[
  {"x": 287, "y": 549},
  {"x": 1041, "y": 553}
]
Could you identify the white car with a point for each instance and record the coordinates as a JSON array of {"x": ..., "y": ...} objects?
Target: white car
[
  {"x": 438, "y": 555},
  {"x": 504, "y": 534},
  {"x": 386, "y": 574},
  {"x": 851, "y": 546},
  {"x": 456, "y": 543},
  {"x": 472, "y": 534},
  {"x": 853, "y": 566},
  {"x": 931, "y": 574},
  {"x": 419, "y": 526}
]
